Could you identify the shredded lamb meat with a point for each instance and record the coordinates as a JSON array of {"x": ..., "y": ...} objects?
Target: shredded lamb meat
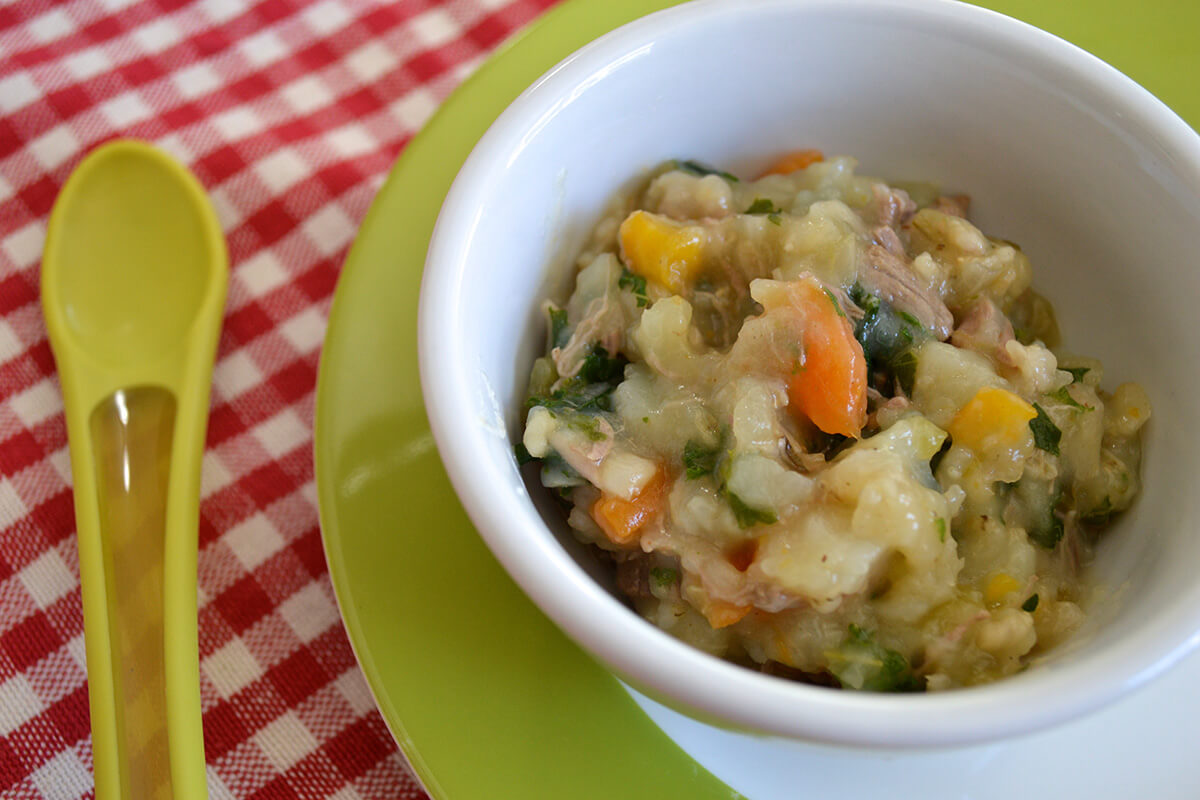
[{"x": 889, "y": 276}]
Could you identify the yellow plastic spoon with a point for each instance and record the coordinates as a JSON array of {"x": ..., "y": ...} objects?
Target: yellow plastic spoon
[{"x": 133, "y": 287}]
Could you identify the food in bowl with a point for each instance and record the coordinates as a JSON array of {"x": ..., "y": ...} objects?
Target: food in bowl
[{"x": 822, "y": 427}]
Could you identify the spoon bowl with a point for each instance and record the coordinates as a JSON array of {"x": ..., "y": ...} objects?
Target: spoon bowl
[{"x": 133, "y": 285}]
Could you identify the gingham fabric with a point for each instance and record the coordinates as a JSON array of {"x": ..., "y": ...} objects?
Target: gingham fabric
[{"x": 290, "y": 113}]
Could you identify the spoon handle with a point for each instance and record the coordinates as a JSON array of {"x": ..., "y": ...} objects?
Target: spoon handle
[{"x": 141, "y": 516}]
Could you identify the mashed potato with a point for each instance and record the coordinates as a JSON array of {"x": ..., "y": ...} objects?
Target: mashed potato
[{"x": 824, "y": 429}]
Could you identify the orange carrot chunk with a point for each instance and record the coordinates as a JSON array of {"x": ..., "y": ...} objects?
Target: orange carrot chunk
[
  {"x": 829, "y": 382},
  {"x": 793, "y": 162},
  {"x": 622, "y": 519},
  {"x": 721, "y": 614}
]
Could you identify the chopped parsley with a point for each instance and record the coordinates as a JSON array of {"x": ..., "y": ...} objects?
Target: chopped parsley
[
  {"x": 522, "y": 453},
  {"x": 1077, "y": 373},
  {"x": 1031, "y": 604},
  {"x": 699, "y": 460},
  {"x": 590, "y": 390},
  {"x": 1049, "y": 532},
  {"x": 862, "y": 663},
  {"x": 558, "y": 474},
  {"x": 764, "y": 205},
  {"x": 700, "y": 169},
  {"x": 588, "y": 425},
  {"x": 560, "y": 332},
  {"x": 887, "y": 337},
  {"x": 592, "y": 397},
  {"x": 748, "y": 517},
  {"x": 941, "y": 528},
  {"x": 868, "y": 302},
  {"x": 836, "y": 305},
  {"x": 904, "y": 367},
  {"x": 663, "y": 576},
  {"x": 635, "y": 284},
  {"x": 1046, "y": 435},
  {"x": 1063, "y": 396},
  {"x": 599, "y": 367}
]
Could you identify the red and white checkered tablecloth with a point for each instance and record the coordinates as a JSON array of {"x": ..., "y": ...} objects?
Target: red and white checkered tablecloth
[{"x": 290, "y": 112}]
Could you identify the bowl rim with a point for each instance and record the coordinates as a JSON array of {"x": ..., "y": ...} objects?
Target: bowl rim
[{"x": 643, "y": 654}]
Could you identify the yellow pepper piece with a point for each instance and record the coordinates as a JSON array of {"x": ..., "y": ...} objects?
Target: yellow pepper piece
[
  {"x": 1000, "y": 586},
  {"x": 992, "y": 419},
  {"x": 660, "y": 249}
]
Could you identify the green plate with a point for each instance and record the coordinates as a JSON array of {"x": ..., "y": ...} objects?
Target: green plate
[{"x": 486, "y": 697}]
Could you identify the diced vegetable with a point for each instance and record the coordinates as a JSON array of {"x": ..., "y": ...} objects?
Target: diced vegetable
[
  {"x": 994, "y": 418},
  {"x": 793, "y": 161},
  {"x": 721, "y": 614},
  {"x": 661, "y": 250},
  {"x": 1000, "y": 586},
  {"x": 621, "y": 519},
  {"x": 829, "y": 381}
]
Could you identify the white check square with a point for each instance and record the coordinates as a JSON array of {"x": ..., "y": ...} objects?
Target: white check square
[
  {"x": 371, "y": 62},
  {"x": 125, "y": 110},
  {"x": 50, "y": 26},
  {"x": 306, "y": 94},
  {"x": 282, "y": 170},
  {"x": 87, "y": 63},
  {"x": 196, "y": 80},
  {"x": 253, "y": 541},
  {"x": 55, "y": 147}
]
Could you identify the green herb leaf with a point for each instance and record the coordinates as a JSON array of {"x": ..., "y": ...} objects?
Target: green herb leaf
[
  {"x": 763, "y": 205},
  {"x": 701, "y": 169},
  {"x": 836, "y": 305},
  {"x": 888, "y": 337},
  {"x": 941, "y": 527},
  {"x": 1049, "y": 533},
  {"x": 862, "y": 663},
  {"x": 904, "y": 367},
  {"x": 1077, "y": 373},
  {"x": 598, "y": 366},
  {"x": 558, "y": 474},
  {"x": 699, "y": 460},
  {"x": 576, "y": 397},
  {"x": 1063, "y": 396},
  {"x": 868, "y": 302},
  {"x": 747, "y": 516},
  {"x": 560, "y": 332},
  {"x": 522, "y": 454},
  {"x": 588, "y": 425},
  {"x": 663, "y": 576},
  {"x": 1046, "y": 435},
  {"x": 635, "y": 284},
  {"x": 775, "y": 219},
  {"x": 1031, "y": 604}
]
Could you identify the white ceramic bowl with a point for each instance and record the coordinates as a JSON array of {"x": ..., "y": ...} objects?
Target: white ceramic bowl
[{"x": 1098, "y": 181}]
